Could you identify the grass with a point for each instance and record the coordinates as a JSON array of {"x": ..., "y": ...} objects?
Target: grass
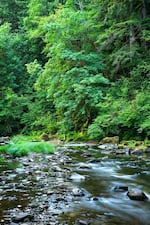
[
  {"x": 136, "y": 145},
  {"x": 22, "y": 139},
  {"x": 21, "y": 146}
]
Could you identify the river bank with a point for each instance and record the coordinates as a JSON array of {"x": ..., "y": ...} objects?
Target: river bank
[{"x": 75, "y": 185}]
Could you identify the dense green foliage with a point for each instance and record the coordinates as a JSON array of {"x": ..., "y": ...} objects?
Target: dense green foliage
[
  {"x": 75, "y": 68},
  {"x": 21, "y": 146}
]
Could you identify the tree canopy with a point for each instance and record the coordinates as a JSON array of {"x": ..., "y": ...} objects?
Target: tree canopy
[{"x": 75, "y": 68}]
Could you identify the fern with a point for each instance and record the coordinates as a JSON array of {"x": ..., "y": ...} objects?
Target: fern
[{"x": 23, "y": 149}]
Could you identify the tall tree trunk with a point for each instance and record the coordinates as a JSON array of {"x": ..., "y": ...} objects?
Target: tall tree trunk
[
  {"x": 144, "y": 9},
  {"x": 143, "y": 17},
  {"x": 132, "y": 35}
]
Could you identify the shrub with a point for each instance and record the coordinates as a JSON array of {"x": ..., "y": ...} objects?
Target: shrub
[{"x": 24, "y": 148}]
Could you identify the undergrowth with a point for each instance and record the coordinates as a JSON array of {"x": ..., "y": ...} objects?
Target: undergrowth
[{"x": 21, "y": 146}]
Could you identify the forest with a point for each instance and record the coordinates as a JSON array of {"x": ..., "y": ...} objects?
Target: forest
[{"x": 75, "y": 69}]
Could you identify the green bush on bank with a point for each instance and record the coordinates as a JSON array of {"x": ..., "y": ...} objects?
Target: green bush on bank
[{"x": 23, "y": 148}]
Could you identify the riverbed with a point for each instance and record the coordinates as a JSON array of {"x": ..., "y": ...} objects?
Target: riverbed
[{"x": 76, "y": 185}]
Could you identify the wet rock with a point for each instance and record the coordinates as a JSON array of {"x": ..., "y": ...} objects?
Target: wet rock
[
  {"x": 24, "y": 223},
  {"x": 121, "y": 188},
  {"x": 40, "y": 186},
  {"x": 86, "y": 155},
  {"x": 147, "y": 150},
  {"x": 85, "y": 166},
  {"x": 11, "y": 176},
  {"x": 109, "y": 214},
  {"x": 137, "y": 151},
  {"x": 4, "y": 140},
  {"x": 95, "y": 198},
  {"x": 136, "y": 194},
  {"x": 78, "y": 192},
  {"x": 77, "y": 177},
  {"x": 22, "y": 217},
  {"x": 94, "y": 161},
  {"x": 108, "y": 146},
  {"x": 84, "y": 222},
  {"x": 20, "y": 186},
  {"x": 20, "y": 170},
  {"x": 50, "y": 192},
  {"x": 121, "y": 152},
  {"x": 56, "y": 169}
]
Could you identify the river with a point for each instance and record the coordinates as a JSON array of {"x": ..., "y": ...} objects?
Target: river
[{"x": 95, "y": 175}]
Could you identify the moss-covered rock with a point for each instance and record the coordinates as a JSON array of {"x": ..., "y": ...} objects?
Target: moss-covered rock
[
  {"x": 44, "y": 137},
  {"x": 110, "y": 140}
]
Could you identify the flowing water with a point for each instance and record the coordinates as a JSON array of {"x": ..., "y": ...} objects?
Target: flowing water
[{"x": 101, "y": 204}]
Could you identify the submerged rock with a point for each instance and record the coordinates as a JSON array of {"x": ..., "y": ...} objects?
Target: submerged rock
[
  {"x": 95, "y": 198},
  {"x": 94, "y": 161},
  {"x": 136, "y": 194},
  {"x": 121, "y": 188},
  {"x": 85, "y": 166}
]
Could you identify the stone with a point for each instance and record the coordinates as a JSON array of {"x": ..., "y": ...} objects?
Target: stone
[
  {"x": 121, "y": 188},
  {"x": 147, "y": 150},
  {"x": 44, "y": 137},
  {"x": 78, "y": 192},
  {"x": 22, "y": 217},
  {"x": 83, "y": 222},
  {"x": 94, "y": 161},
  {"x": 95, "y": 198},
  {"x": 20, "y": 170},
  {"x": 137, "y": 151},
  {"x": 4, "y": 140},
  {"x": 108, "y": 146},
  {"x": 136, "y": 194},
  {"x": 110, "y": 140},
  {"x": 85, "y": 166},
  {"x": 56, "y": 169},
  {"x": 77, "y": 177},
  {"x": 20, "y": 186},
  {"x": 40, "y": 186}
]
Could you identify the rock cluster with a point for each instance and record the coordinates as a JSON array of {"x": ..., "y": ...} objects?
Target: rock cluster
[
  {"x": 133, "y": 194},
  {"x": 46, "y": 185},
  {"x": 4, "y": 140}
]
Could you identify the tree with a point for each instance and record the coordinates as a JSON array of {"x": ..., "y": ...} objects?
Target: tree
[
  {"x": 13, "y": 12},
  {"x": 73, "y": 74}
]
